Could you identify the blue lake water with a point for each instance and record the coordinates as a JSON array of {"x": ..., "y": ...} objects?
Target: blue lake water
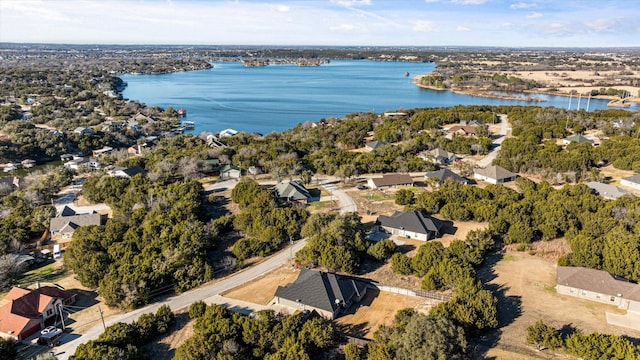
[{"x": 277, "y": 97}]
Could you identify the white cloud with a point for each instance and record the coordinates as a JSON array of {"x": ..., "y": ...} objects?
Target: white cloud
[
  {"x": 469, "y": 2},
  {"x": 424, "y": 26},
  {"x": 601, "y": 24},
  {"x": 351, "y": 3},
  {"x": 344, "y": 27},
  {"x": 462, "y": 28},
  {"x": 34, "y": 9},
  {"x": 431, "y": 1},
  {"x": 523, "y": 5},
  {"x": 280, "y": 7},
  {"x": 534, "y": 15}
]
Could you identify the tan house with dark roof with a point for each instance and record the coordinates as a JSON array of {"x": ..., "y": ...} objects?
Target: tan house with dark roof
[
  {"x": 390, "y": 181},
  {"x": 598, "y": 285}
]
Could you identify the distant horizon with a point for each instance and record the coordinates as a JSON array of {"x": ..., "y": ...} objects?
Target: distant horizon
[
  {"x": 394, "y": 47},
  {"x": 340, "y": 23}
]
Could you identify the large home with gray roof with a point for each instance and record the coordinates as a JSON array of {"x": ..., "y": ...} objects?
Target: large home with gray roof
[
  {"x": 631, "y": 181},
  {"x": 445, "y": 174},
  {"x": 607, "y": 191},
  {"x": 390, "y": 181},
  {"x": 326, "y": 293},
  {"x": 294, "y": 192},
  {"x": 440, "y": 156},
  {"x": 411, "y": 224},
  {"x": 577, "y": 139},
  {"x": 598, "y": 285},
  {"x": 494, "y": 174},
  {"x": 62, "y": 227}
]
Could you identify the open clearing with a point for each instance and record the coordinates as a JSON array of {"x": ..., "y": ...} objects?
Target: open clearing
[
  {"x": 262, "y": 289},
  {"x": 524, "y": 285}
]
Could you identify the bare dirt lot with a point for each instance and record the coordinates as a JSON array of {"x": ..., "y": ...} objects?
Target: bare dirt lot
[
  {"x": 262, "y": 290},
  {"x": 524, "y": 285}
]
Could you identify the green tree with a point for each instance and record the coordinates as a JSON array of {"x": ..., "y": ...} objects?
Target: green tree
[
  {"x": 429, "y": 337},
  {"x": 8, "y": 350}
]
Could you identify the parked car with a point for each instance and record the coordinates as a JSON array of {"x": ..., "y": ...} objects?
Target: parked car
[
  {"x": 48, "y": 329},
  {"x": 361, "y": 187},
  {"x": 50, "y": 339}
]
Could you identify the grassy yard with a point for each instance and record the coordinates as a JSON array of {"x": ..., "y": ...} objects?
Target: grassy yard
[{"x": 48, "y": 273}]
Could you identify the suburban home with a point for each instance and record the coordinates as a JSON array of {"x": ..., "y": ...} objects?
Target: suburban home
[
  {"x": 10, "y": 167},
  {"x": 294, "y": 192},
  {"x": 578, "y": 139},
  {"x": 63, "y": 226},
  {"x": 598, "y": 285},
  {"x": 440, "y": 156},
  {"x": 26, "y": 311},
  {"x": 326, "y": 293},
  {"x": 28, "y": 163},
  {"x": 104, "y": 151},
  {"x": 411, "y": 224},
  {"x": 227, "y": 133},
  {"x": 127, "y": 172},
  {"x": 83, "y": 131},
  {"x": 390, "y": 181},
  {"x": 374, "y": 145},
  {"x": 631, "y": 181},
  {"x": 137, "y": 150},
  {"x": 607, "y": 191},
  {"x": 76, "y": 163},
  {"x": 463, "y": 130},
  {"x": 494, "y": 174},
  {"x": 445, "y": 174},
  {"x": 230, "y": 172},
  {"x": 255, "y": 170},
  {"x": 213, "y": 141},
  {"x": 13, "y": 182}
]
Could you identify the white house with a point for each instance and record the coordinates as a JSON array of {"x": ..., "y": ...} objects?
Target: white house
[
  {"x": 631, "y": 181},
  {"x": 494, "y": 175}
]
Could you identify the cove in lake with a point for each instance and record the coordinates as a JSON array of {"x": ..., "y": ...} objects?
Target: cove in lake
[{"x": 278, "y": 97}]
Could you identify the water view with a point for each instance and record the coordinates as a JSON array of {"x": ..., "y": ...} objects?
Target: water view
[{"x": 277, "y": 97}]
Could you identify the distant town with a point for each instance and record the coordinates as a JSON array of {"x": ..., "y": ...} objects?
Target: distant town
[{"x": 507, "y": 232}]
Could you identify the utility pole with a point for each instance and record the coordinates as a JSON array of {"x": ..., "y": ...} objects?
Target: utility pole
[
  {"x": 61, "y": 315},
  {"x": 291, "y": 250},
  {"x": 104, "y": 327}
]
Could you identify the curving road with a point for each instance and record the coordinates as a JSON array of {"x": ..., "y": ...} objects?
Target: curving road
[
  {"x": 209, "y": 293},
  {"x": 504, "y": 130}
]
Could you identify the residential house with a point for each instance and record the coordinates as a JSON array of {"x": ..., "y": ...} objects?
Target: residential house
[
  {"x": 27, "y": 311},
  {"x": 439, "y": 156},
  {"x": 83, "y": 131},
  {"x": 13, "y": 182},
  {"x": 62, "y": 227},
  {"x": 494, "y": 174},
  {"x": 445, "y": 174},
  {"x": 411, "y": 224},
  {"x": 28, "y": 163},
  {"x": 213, "y": 141},
  {"x": 293, "y": 191},
  {"x": 137, "y": 150},
  {"x": 390, "y": 181},
  {"x": 227, "y": 133},
  {"x": 104, "y": 151},
  {"x": 463, "y": 130},
  {"x": 76, "y": 163},
  {"x": 255, "y": 170},
  {"x": 578, "y": 139},
  {"x": 127, "y": 172},
  {"x": 607, "y": 191},
  {"x": 631, "y": 181},
  {"x": 10, "y": 167},
  {"x": 374, "y": 145},
  {"x": 230, "y": 172},
  {"x": 326, "y": 293},
  {"x": 598, "y": 285}
]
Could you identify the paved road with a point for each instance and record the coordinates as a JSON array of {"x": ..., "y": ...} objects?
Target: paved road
[
  {"x": 209, "y": 294},
  {"x": 346, "y": 202},
  {"x": 504, "y": 130}
]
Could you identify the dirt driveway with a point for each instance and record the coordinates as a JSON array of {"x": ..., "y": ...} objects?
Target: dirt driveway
[{"x": 524, "y": 285}]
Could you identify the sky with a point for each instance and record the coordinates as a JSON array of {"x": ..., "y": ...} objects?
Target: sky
[{"x": 510, "y": 23}]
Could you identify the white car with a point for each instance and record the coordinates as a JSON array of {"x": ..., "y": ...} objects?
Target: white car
[{"x": 50, "y": 329}]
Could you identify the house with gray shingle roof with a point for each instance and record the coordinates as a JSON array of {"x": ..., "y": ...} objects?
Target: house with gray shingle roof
[
  {"x": 411, "y": 224},
  {"x": 494, "y": 174},
  {"x": 606, "y": 191},
  {"x": 293, "y": 191},
  {"x": 440, "y": 156},
  {"x": 328, "y": 294},
  {"x": 374, "y": 144},
  {"x": 445, "y": 174},
  {"x": 64, "y": 226},
  {"x": 631, "y": 181},
  {"x": 578, "y": 139},
  {"x": 390, "y": 181},
  {"x": 598, "y": 285}
]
